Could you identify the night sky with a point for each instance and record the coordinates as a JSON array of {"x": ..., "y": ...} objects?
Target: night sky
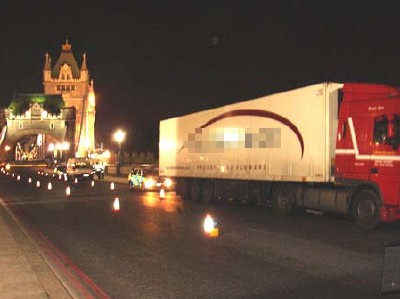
[{"x": 152, "y": 60}]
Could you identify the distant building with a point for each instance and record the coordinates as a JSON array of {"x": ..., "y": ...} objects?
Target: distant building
[{"x": 74, "y": 85}]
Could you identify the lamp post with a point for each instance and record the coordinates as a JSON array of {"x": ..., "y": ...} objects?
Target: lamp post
[
  {"x": 119, "y": 136},
  {"x": 64, "y": 146}
]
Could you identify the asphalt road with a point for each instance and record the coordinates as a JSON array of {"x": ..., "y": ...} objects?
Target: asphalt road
[{"x": 156, "y": 248}]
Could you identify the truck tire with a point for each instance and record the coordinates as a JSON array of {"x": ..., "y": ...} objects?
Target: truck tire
[
  {"x": 207, "y": 195},
  {"x": 283, "y": 199},
  {"x": 366, "y": 211}
]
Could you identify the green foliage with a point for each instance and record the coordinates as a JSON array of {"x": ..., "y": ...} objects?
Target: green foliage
[{"x": 51, "y": 103}]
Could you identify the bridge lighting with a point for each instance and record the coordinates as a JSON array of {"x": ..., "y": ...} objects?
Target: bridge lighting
[
  {"x": 12, "y": 175},
  {"x": 68, "y": 191},
  {"x": 92, "y": 100},
  {"x": 30, "y": 180},
  {"x": 8, "y": 166},
  {"x": 93, "y": 183},
  {"x": 76, "y": 180},
  {"x": 112, "y": 186},
  {"x": 51, "y": 147},
  {"x": 7, "y": 148},
  {"x": 39, "y": 140},
  {"x": 65, "y": 177},
  {"x": 116, "y": 206},
  {"x": 18, "y": 178},
  {"x": 49, "y": 186},
  {"x": 210, "y": 226},
  {"x": 44, "y": 114},
  {"x": 107, "y": 154},
  {"x": 65, "y": 146},
  {"x": 38, "y": 184}
]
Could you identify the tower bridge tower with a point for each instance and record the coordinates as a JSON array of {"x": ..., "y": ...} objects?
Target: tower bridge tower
[{"x": 77, "y": 90}]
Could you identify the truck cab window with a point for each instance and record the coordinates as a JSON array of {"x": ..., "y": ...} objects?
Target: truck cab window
[{"x": 380, "y": 129}]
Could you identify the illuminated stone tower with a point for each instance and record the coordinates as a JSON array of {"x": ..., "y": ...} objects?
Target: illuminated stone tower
[{"x": 77, "y": 90}]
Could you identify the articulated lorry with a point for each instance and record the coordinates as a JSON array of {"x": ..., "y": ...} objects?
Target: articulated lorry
[{"x": 327, "y": 147}]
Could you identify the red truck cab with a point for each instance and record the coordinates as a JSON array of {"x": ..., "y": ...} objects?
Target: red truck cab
[{"x": 367, "y": 155}]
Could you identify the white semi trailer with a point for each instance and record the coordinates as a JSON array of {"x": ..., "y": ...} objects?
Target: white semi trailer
[{"x": 281, "y": 149}]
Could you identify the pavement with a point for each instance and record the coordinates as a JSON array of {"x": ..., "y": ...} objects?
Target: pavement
[{"x": 25, "y": 270}]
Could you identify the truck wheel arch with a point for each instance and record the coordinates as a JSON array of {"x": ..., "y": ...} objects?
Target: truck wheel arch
[{"x": 359, "y": 188}]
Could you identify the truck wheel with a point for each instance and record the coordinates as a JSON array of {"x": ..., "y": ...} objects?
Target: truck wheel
[
  {"x": 366, "y": 209},
  {"x": 207, "y": 192},
  {"x": 283, "y": 200}
]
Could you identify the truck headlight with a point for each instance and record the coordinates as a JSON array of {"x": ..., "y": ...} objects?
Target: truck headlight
[{"x": 168, "y": 182}]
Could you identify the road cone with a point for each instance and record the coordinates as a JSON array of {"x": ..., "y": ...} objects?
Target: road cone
[
  {"x": 116, "y": 207},
  {"x": 162, "y": 194},
  {"x": 210, "y": 226}
]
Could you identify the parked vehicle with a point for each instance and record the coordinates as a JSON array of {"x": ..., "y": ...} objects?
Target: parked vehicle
[
  {"x": 329, "y": 147},
  {"x": 80, "y": 168},
  {"x": 147, "y": 177}
]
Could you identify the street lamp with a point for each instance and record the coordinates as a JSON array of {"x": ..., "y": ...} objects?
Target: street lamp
[
  {"x": 64, "y": 146},
  {"x": 119, "y": 136}
]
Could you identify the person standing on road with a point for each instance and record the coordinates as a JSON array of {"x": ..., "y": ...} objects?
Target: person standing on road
[{"x": 98, "y": 169}]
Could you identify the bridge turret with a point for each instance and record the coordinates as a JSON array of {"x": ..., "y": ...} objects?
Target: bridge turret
[
  {"x": 47, "y": 68},
  {"x": 84, "y": 70}
]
